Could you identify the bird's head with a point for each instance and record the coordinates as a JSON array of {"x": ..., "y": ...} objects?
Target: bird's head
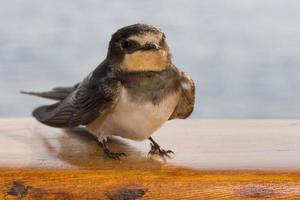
[{"x": 139, "y": 47}]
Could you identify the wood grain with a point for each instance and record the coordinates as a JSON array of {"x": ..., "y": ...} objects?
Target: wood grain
[{"x": 215, "y": 159}]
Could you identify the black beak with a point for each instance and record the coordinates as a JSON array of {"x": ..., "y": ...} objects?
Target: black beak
[{"x": 150, "y": 46}]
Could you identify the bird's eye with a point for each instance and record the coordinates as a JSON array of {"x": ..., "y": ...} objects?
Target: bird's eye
[{"x": 126, "y": 44}]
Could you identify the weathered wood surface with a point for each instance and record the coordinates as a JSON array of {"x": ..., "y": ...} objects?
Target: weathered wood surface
[{"x": 215, "y": 159}]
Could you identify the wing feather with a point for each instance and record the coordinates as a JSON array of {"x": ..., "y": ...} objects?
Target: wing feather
[
  {"x": 186, "y": 102},
  {"x": 93, "y": 95}
]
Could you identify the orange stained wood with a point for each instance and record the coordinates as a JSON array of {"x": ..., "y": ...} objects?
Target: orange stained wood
[{"x": 214, "y": 159}]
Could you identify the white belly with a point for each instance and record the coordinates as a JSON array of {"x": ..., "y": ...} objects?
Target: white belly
[{"x": 136, "y": 121}]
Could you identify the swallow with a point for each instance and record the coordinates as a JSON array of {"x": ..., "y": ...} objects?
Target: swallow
[{"x": 130, "y": 94}]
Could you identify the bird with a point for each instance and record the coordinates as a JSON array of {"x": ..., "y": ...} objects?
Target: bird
[{"x": 131, "y": 93}]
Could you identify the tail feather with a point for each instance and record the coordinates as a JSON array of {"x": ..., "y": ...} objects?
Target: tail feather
[{"x": 57, "y": 94}]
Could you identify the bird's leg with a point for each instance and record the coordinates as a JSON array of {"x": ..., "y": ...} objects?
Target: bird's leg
[
  {"x": 108, "y": 154},
  {"x": 156, "y": 149}
]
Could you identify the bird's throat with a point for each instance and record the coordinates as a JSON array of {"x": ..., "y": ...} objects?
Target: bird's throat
[{"x": 153, "y": 60}]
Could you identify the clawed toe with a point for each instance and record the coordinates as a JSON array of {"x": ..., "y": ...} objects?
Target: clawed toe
[
  {"x": 113, "y": 155},
  {"x": 155, "y": 149},
  {"x": 167, "y": 153},
  {"x": 108, "y": 154},
  {"x": 161, "y": 152}
]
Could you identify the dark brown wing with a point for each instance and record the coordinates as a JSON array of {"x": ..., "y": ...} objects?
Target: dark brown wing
[
  {"x": 91, "y": 97},
  {"x": 186, "y": 102}
]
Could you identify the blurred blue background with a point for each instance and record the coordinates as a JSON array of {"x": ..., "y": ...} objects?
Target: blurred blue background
[{"x": 244, "y": 55}]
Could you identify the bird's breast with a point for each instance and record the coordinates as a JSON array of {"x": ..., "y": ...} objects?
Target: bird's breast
[{"x": 138, "y": 120}]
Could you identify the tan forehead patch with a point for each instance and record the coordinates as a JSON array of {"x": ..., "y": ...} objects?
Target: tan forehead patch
[
  {"x": 147, "y": 37},
  {"x": 145, "y": 61}
]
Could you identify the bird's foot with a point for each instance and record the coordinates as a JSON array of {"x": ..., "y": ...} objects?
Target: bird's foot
[
  {"x": 109, "y": 154},
  {"x": 157, "y": 150},
  {"x": 113, "y": 155}
]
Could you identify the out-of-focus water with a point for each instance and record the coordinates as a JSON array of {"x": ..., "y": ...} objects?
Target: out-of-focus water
[{"x": 244, "y": 55}]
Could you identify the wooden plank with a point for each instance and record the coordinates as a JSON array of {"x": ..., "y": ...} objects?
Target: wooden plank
[{"x": 215, "y": 159}]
